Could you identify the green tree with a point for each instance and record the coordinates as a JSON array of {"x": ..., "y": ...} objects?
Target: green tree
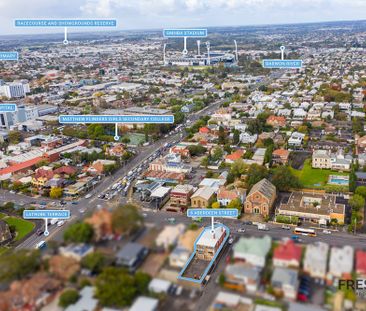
[
  {"x": 16, "y": 265},
  {"x": 236, "y": 203},
  {"x": 56, "y": 192},
  {"x": 215, "y": 205},
  {"x": 361, "y": 190},
  {"x": 79, "y": 232},
  {"x": 238, "y": 168},
  {"x": 196, "y": 150},
  {"x": 126, "y": 219},
  {"x": 283, "y": 179},
  {"x": 68, "y": 297},
  {"x": 256, "y": 173},
  {"x": 115, "y": 287},
  {"x": 236, "y": 137},
  {"x": 14, "y": 137},
  {"x": 95, "y": 262},
  {"x": 357, "y": 202},
  {"x": 217, "y": 153}
]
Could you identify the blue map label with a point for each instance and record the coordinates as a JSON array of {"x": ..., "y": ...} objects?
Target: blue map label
[
  {"x": 181, "y": 33},
  {"x": 77, "y": 119},
  {"x": 279, "y": 63},
  {"x": 9, "y": 56},
  {"x": 212, "y": 212},
  {"x": 65, "y": 23},
  {"x": 46, "y": 214},
  {"x": 8, "y": 107}
]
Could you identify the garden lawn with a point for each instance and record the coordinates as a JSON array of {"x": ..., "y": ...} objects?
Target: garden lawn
[
  {"x": 22, "y": 227},
  {"x": 314, "y": 177}
]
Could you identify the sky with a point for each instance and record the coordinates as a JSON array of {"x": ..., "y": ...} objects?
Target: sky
[{"x": 153, "y": 14}]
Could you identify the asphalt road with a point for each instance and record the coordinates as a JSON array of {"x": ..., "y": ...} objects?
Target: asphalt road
[{"x": 90, "y": 204}]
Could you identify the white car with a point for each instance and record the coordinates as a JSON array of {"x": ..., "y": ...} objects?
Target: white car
[
  {"x": 54, "y": 221},
  {"x": 60, "y": 223},
  {"x": 326, "y": 231},
  {"x": 82, "y": 210},
  {"x": 241, "y": 230}
]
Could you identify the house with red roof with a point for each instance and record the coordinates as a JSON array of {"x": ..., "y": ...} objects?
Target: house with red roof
[
  {"x": 287, "y": 254},
  {"x": 361, "y": 263},
  {"x": 65, "y": 170},
  {"x": 204, "y": 130},
  {"x": 276, "y": 121},
  {"x": 236, "y": 155},
  {"x": 280, "y": 156}
]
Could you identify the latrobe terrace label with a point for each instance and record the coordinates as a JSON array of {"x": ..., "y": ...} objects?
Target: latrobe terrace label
[
  {"x": 9, "y": 56},
  {"x": 212, "y": 212},
  {"x": 279, "y": 63},
  {"x": 181, "y": 33},
  {"x": 8, "y": 107},
  {"x": 65, "y": 23},
  {"x": 46, "y": 214},
  {"x": 115, "y": 119}
]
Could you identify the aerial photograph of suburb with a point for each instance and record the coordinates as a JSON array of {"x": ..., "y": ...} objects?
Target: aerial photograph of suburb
[{"x": 183, "y": 155}]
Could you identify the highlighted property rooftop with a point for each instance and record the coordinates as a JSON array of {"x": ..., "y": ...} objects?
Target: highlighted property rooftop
[{"x": 206, "y": 253}]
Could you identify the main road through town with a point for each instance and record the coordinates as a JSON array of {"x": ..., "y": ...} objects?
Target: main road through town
[{"x": 88, "y": 205}]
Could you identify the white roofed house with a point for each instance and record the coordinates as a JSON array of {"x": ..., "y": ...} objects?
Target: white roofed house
[
  {"x": 341, "y": 262},
  {"x": 315, "y": 260},
  {"x": 247, "y": 138},
  {"x": 169, "y": 236},
  {"x": 296, "y": 139},
  {"x": 299, "y": 114}
]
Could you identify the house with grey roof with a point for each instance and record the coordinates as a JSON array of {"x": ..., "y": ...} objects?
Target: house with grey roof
[{"x": 286, "y": 282}]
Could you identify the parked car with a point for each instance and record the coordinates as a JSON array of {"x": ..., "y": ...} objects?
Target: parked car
[
  {"x": 286, "y": 227},
  {"x": 241, "y": 230},
  {"x": 326, "y": 231}
]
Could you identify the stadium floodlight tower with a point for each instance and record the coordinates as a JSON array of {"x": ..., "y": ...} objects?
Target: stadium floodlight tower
[
  {"x": 198, "y": 47},
  {"x": 208, "y": 53},
  {"x": 236, "y": 51},
  {"x": 164, "y": 48}
]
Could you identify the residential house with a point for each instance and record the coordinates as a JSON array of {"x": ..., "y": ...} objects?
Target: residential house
[
  {"x": 341, "y": 262},
  {"x": 315, "y": 260},
  {"x": 98, "y": 166},
  {"x": 86, "y": 302},
  {"x": 203, "y": 197},
  {"x": 180, "y": 197},
  {"x": 280, "y": 156},
  {"x": 169, "y": 236},
  {"x": 101, "y": 221},
  {"x": 247, "y": 138},
  {"x": 296, "y": 139},
  {"x": 225, "y": 196},
  {"x": 361, "y": 263},
  {"x": 324, "y": 159},
  {"x": 260, "y": 198},
  {"x": 285, "y": 281},
  {"x": 243, "y": 275},
  {"x": 231, "y": 301},
  {"x": 236, "y": 155},
  {"x": 252, "y": 250},
  {"x": 76, "y": 251},
  {"x": 258, "y": 156},
  {"x": 145, "y": 303},
  {"x": 131, "y": 256},
  {"x": 276, "y": 121},
  {"x": 287, "y": 254}
]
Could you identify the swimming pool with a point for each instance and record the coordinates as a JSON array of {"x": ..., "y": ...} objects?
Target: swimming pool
[{"x": 338, "y": 180}]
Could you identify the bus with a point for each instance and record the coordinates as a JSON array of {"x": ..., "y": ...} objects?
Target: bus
[{"x": 307, "y": 232}]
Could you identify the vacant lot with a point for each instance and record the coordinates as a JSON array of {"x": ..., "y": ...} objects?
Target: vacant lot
[{"x": 313, "y": 177}]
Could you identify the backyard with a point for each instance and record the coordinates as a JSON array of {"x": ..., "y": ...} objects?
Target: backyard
[{"x": 313, "y": 177}]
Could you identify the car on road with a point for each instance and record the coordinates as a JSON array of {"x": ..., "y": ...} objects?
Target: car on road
[
  {"x": 231, "y": 241},
  {"x": 54, "y": 221},
  {"x": 75, "y": 202},
  {"x": 89, "y": 195},
  {"x": 60, "y": 223},
  {"x": 39, "y": 231},
  {"x": 171, "y": 220},
  {"x": 241, "y": 230},
  {"x": 82, "y": 210},
  {"x": 41, "y": 245},
  {"x": 326, "y": 231},
  {"x": 144, "y": 215},
  {"x": 247, "y": 222},
  {"x": 286, "y": 227}
]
